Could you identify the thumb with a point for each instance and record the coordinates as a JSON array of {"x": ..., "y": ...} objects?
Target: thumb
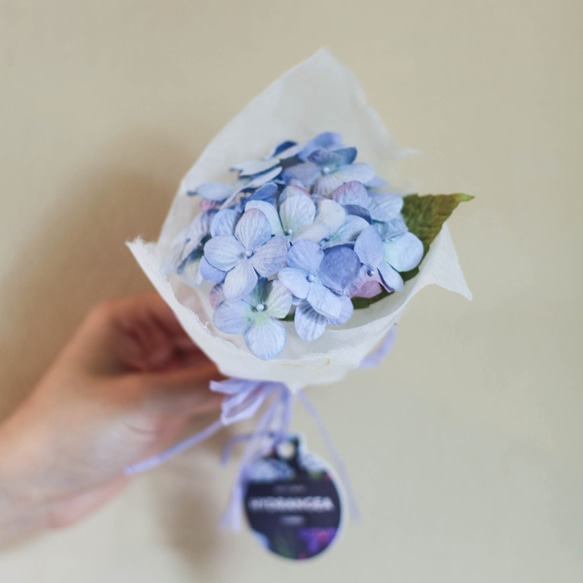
[{"x": 182, "y": 391}]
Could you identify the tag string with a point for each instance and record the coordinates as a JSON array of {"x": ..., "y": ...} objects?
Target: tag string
[{"x": 243, "y": 399}]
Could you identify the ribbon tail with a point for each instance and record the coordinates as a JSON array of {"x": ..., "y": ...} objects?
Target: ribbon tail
[{"x": 334, "y": 454}]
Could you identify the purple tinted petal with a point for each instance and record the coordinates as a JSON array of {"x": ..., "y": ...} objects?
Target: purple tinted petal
[
  {"x": 279, "y": 300},
  {"x": 210, "y": 273},
  {"x": 252, "y": 167},
  {"x": 339, "y": 268},
  {"x": 305, "y": 173},
  {"x": 345, "y": 313},
  {"x": 223, "y": 252},
  {"x": 217, "y": 191},
  {"x": 270, "y": 213},
  {"x": 360, "y": 172},
  {"x": 308, "y": 323},
  {"x": 348, "y": 155},
  {"x": 233, "y": 317},
  {"x": 369, "y": 247},
  {"x": 390, "y": 278},
  {"x": 270, "y": 258},
  {"x": 224, "y": 223},
  {"x": 253, "y": 229},
  {"x": 369, "y": 289},
  {"x": 266, "y": 338},
  {"x": 295, "y": 281},
  {"x": 306, "y": 256},
  {"x": 296, "y": 212},
  {"x": 351, "y": 193},
  {"x": 240, "y": 281},
  {"x": 384, "y": 206},
  {"x": 358, "y": 211},
  {"x": 324, "y": 301},
  {"x": 403, "y": 252},
  {"x": 216, "y": 296},
  {"x": 325, "y": 159}
]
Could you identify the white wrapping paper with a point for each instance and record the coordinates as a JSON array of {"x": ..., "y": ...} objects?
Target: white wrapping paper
[{"x": 318, "y": 95}]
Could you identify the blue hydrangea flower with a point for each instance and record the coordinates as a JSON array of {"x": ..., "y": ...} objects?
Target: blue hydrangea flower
[
  {"x": 256, "y": 317},
  {"x": 373, "y": 206},
  {"x": 383, "y": 260},
  {"x": 250, "y": 251}
]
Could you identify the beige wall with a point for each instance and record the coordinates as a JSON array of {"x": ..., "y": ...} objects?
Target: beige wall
[{"x": 465, "y": 446}]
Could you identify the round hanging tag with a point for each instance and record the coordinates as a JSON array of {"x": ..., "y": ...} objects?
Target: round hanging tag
[{"x": 291, "y": 501}]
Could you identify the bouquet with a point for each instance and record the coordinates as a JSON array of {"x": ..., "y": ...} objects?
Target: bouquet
[{"x": 289, "y": 255}]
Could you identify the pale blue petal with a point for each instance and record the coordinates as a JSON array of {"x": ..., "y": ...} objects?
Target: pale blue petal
[
  {"x": 290, "y": 152},
  {"x": 210, "y": 273},
  {"x": 350, "y": 229},
  {"x": 339, "y": 268},
  {"x": 352, "y": 193},
  {"x": 279, "y": 300},
  {"x": 292, "y": 190},
  {"x": 348, "y": 155},
  {"x": 327, "y": 184},
  {"x": 390, "y": 278},
  {"x": 385, "y": 206},
  {"x": 295, "y": 281},
  {"x": 252, "y": 167},
  {"x": 280, "y": 148},
  {"x": 233, "y": 317},
  {"x": 192, "y": 274},
  {"x": 306, "y": 256},
  {"x": 264, "y": 192},
  {"x": 262, "y": 179},
  {"x": 358, "y": 211},
  {"x": 361, "y": 172},
  {"x": 395, "y": 226},
  {"x": 270, "y": 258},
  {"x": 253, "y": 229},
  {"x": 224, "y": 223},
  {"x": 324, "y": 301},
  {"x": 403, "y": 252},
  {"x": 270, "y": 213},
  {"x": 224, "y": 252},
  {"x": 327, "y": 140},
  {"x": 308, "y": 323},
  {"x": 326, "y": 159},
  {"x": 296, "y": 212},
  {"x": 217, "y": 191},
  {"x": 305, "y": 173},
  {"x": 345, "y": 313},
  {"x": 240, "y": 281},
  {"x": 330, "y": 214},
  {"x": 369, "y": 247},
  {"x": 266, "y": 339}
]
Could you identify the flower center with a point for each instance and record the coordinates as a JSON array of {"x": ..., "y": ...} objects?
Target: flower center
[
  {"x": 248, "y": 254},
  {"x": 311, "y": 277},
  {"x": 260, "y": 307},
  {"x": 370, "y": 271},
  {"x": 288, "y": 232},
  {"x": 326, "y": 170}
]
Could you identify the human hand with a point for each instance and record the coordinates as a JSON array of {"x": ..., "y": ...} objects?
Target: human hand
[{"x": 124, "y": 386}]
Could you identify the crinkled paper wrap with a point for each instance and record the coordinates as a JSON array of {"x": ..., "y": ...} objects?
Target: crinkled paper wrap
[{"x": 318, "y": 95}]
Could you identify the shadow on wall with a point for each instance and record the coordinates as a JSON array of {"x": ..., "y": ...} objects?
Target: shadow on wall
[{"x": 77, "y": 257}]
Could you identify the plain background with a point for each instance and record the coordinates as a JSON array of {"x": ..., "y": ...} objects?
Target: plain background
[{"x": 465, "y": 447}]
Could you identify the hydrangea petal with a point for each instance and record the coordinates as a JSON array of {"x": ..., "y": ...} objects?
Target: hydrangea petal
[
  {"x": 369, "y": 247},
  {"x": 240, "y": 281},
  {"x": 390, "y": 278},
  {"x": 395, "y": 226},
  {"x": 295, "y": 281},
  {"x": 360, "y": 172},
  {"x": 306, "y": 256},
  {"x": 270, "y": 258},
  {"x": 308, "y": 323},
  {"x": 224, "y": 222},
  {"x": 403, "y": 252},
  {"x": 191, "y": 273},
  {"x": 325, "y": 159},
  {"x": 270, "y": 213},
  {"x": 339, "y": 268},
  {"x": 327, "y": 184},
  {"x": 327, "y": 140},
  {"x": 384, "y": 206},
  {"x": 369, "y": 289},
  {"x": 350, "y": 229},
  {"x": 345, "y": 312},
  {"x": 296, "y": 212},
  {"x": 253, "y": 229},
  {"x": 351, "y": 193},
  {"x": 262, "y": 179},
  {"x": 280, "y": 148},
  {"x": 216, "y": 296},
  {"x": 279, "y": 300},
  {"x": 233, "y": 317},
  {"x": 266, "y": 339},
  {"x": 209, "y": 272},
  {"x": 223, "y": 252},
  {"x": 217, "y": 191},
  {"x": 348, "y": 155},
  {"x": 292, "y": 190},
  {"x": 324, "y": 301},
  {"x": 265, "y": 192},
  {"x": 253, "y": 167},
  {"x": 330, "y": 214},
  {"x": 306, "y": 173}
]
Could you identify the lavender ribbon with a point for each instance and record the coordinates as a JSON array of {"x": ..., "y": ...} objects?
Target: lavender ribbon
[{"x": 243, "y": 400}]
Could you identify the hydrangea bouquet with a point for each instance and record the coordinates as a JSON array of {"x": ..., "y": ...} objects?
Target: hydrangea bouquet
[{"x": 289, "y": 254}]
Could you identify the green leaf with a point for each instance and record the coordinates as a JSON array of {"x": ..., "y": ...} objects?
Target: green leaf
[{"x": 424, "y": 216}]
